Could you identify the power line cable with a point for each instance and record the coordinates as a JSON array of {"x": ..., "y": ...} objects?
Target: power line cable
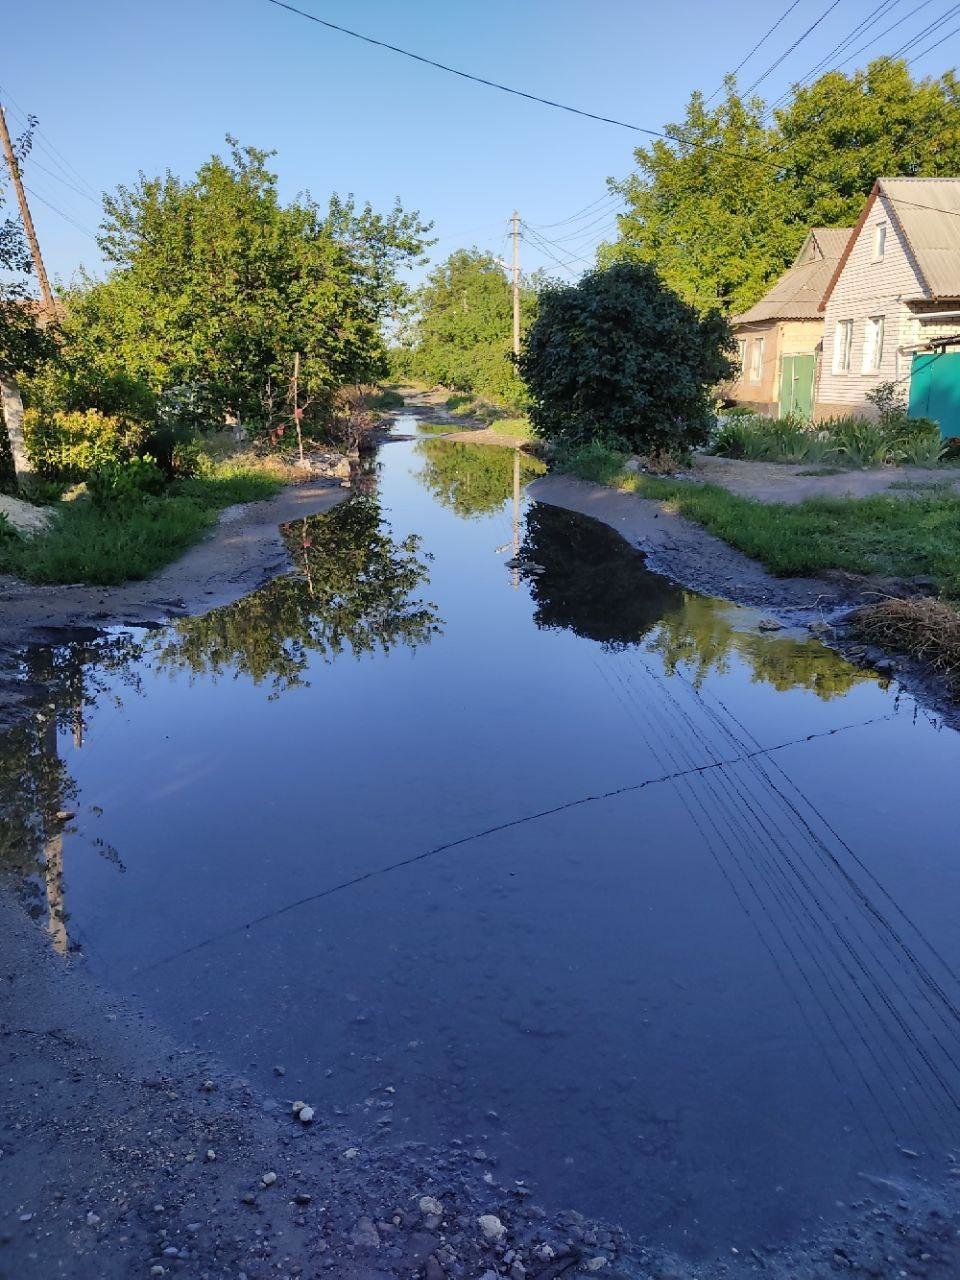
[
  {"x": 34, "y": 163},
  {"x": 928, "y": 30},
  {"x": 47, "y": 145},
  {"x": 610, "y": 195},
  {"x": 464, "y": 75},
  {"x": 762, "y": 41},
  {"x": 881, "y": 11},
  {"x": 875, "y": 39},
  {"x": 66, "y": 217},
  {"x": 936, "y": 45},
  {"x": 799, "y": 40}
]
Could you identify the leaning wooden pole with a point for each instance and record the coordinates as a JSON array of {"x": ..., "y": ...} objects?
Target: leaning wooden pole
[{"x": 45, "y": 291}]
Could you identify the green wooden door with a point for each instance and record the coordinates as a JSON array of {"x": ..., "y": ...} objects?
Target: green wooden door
[
  {"x": 935, "y": 389},
  {"x": 796, "y": 385}
]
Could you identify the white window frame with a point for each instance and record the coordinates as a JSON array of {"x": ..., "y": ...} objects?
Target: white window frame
[
  {"x": 842, "y": 346},
  {"x": 873, "y": 336},
  {"x": 741, "y": 358},
  {"x": 879, "y": 241},
  {"x": 756, "y": 360}
]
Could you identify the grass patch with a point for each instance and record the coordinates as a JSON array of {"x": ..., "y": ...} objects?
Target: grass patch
[
  {"x": 899, "y": 537},
  {"x": 910, "y": 536},
  {"x": 927, "y": 630},
  {"x": 386, "y": 401},
  {"x": 107, "y": 545},
  {"x": 514, "y": 428}
]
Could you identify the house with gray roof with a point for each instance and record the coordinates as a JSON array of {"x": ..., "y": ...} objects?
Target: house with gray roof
[
  {"x": 779, "y": 338},
  {"x": 891, "y": 308}
]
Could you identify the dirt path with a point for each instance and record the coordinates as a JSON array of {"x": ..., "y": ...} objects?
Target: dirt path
[{"x": 789, "y": 483}]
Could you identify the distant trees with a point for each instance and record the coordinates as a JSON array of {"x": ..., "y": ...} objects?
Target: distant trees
[
  {"x": 463, "y": 331},
  {"x": 622, "y": 359},
  {"x": 723, "y": 205}
]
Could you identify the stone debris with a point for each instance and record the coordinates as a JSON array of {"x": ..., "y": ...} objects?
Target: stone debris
[
  {"x": 268, "y": 1179},
  {"x": 491, "y": 1227}
]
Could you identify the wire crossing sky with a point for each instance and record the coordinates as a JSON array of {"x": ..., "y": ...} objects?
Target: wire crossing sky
[{"x": 124, "y": 88}]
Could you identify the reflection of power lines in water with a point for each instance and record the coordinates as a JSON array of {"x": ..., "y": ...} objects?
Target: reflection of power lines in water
[{"x": 878, "y": 1005}]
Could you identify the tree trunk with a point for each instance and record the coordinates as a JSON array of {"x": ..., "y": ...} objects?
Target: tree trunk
[{"x": 13, "y": 416}]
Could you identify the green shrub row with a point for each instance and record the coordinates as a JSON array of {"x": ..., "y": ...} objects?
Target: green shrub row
[{"x": 853, "y": 440}]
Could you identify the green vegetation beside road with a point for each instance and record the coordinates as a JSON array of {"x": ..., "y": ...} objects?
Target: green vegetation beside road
[
  {"x": 128, "y": 527},
  {"x": 909, "y": 536}
]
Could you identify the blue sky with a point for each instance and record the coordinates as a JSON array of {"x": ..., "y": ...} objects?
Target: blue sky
[{"x": 120, "y": 87}]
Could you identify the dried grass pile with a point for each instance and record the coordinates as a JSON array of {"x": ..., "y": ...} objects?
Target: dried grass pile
[{"x": 926, "y": 629}]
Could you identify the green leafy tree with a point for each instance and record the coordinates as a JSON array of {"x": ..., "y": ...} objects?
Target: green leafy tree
[
  {"x": 722, "y": 205},
  {"x": 462, "y": 337},
  {"x": 844, "y": 131},
  {"x": 216, "y": 285},
  {"x": 705, "y": 208},
  {"x": 620, "y": 358}
]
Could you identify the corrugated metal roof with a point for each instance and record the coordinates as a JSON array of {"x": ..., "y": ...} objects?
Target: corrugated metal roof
[
  {"x": 928, "y": 210},
  {"x": 798, "y": 292}
]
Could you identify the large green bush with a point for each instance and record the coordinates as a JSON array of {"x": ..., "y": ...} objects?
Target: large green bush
[
  {"x": 67, "y": 445},
  {"x": 620, "y": 358}
]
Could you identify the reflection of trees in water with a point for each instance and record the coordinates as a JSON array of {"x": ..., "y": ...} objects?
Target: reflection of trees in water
[
  {"x": 596, "y": 585},
  {"x": 702, "y": 636},
  {"x": 592, "y": 582},
  {"x": 36, "y": 791},
  {"x": 472, "y": 479},
  {"x": 353, "y": 592}
]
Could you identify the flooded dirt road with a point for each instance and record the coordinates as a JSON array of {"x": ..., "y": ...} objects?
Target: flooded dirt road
[{"x": 654, "y": 911}]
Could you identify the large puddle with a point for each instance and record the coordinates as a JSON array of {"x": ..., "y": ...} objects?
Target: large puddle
[{"x": 655, "y": 908}]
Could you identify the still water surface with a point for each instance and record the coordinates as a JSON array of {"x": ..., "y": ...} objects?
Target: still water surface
[{"x": 656, "y": 908}]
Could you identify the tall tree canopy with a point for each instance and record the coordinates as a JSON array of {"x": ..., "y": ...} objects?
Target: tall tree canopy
[
  {"x": 722, "y": 206},
  {"x": 217, "y": 284},
  {"x": 463, "y": 333}
]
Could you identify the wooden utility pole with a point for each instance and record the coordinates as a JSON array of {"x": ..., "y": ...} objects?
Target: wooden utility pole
[
  {"x": 46, "y": 292},
  {"x": 515, "y": 231}
]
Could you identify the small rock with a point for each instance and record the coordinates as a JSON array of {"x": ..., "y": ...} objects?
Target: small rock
[
  {"x": 211, "y": 1155},
  {"x": 306, "y": 1115},
  {"x": 429, "y": 1204},
  {"x": 248, "y": 1198},
  {"x": 297, "y": 1107},
  {"x": 491, "y": 1227},
  {"x": 769, "y": 624},
  {"x": 158, "y": 1270},
  {"x": 596, "y": 1264},
  {"x": 268, "y": 1179},
  {"x": 302, "y": 1197},
  {"x": 171, "y": 1251},
  {"x": 279, "y": 1071},
  {"x": 93, "y": 1219},
  {"x": 208, "y": 1086},
  {"x": 433, "y": 1270},
  {"x": 351, "y": 1153},
  {"x": 365, "y": 1234}
]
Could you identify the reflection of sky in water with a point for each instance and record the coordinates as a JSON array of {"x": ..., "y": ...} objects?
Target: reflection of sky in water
[{"x": 695, "y": 977}]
